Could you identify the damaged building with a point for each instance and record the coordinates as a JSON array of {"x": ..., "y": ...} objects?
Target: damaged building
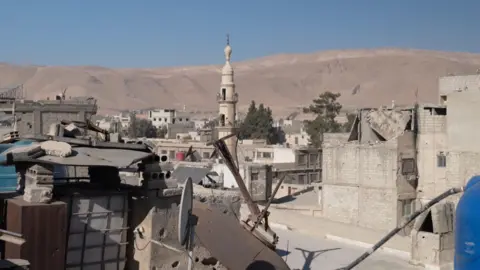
[{"x": 395, "y": 160}]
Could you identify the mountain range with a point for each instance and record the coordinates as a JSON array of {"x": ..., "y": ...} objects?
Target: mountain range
[{"x": 286, "y": 82}]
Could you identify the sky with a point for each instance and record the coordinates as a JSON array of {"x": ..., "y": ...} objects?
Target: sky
[{"x": 157, "y": 33}]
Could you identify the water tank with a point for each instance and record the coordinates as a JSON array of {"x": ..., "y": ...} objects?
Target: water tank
[
  {"x": 8, "y": 174},
  {"x": 467, "y": 228},
  {"x": 180, "y": 156}
]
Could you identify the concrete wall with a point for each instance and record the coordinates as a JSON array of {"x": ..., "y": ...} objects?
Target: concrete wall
[
  {"x": 36, "y": 117},
  {"x": 449, "y": 84},
  {"x": 463, "y": 115},
  {"x": 359, "y": 184}
]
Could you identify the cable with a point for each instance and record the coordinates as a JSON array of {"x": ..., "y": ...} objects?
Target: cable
[{"x": 410, "y": 218}]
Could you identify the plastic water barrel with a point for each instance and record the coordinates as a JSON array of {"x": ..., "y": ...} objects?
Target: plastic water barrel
[
  {"x": 180, "y": 156},
  {"x": 467, "y": 228}
]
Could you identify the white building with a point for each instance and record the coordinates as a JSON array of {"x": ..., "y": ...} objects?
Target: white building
[
  {"x": 163, "y": 117},
  {"x": 123, "y": 118}
]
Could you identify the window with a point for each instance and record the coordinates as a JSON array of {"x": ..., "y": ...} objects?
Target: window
[
  {"x": 180, "y": 119},
  {"x": 186, "y": 119},
  {"x": 165, "y": 119},
  {"x": 441, "y": 160},
  {"x": 267, "y": 155},
  {"x": 313, "y": 158},
  {"x": 296, "y": 140},
  {"x": 301, "y": 179},
  {"x": 313, "y": 177},
  {"x": 254, "y": 176},
  {"x": 164, "y": 152},
  {"x": 302, "y": 159},
  {"x": 408, "y": 166},
  {"x": 206, "y": 155},
  {"x": 154, "y": 119},
  {"x": 408, "y": 207},
  {"x": 224, "y": 93},
  {"x": 171, "y": 154},
  {"x": 222, "y": 120}
]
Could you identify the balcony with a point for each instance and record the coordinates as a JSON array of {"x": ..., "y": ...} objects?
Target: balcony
[{"x": 224, "y": 98}]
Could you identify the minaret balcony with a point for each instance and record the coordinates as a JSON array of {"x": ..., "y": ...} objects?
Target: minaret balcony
[{"x": 223, "y": 98}]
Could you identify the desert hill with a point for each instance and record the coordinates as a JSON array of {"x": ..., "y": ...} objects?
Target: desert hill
[{"x": 283, "y": 82}]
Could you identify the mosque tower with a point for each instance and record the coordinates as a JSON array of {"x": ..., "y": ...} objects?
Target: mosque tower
[{"x": 227, "y": 104}]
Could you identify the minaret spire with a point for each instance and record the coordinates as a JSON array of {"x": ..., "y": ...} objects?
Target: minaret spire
[
  {"x": 228, "y": 50},
  {"x": 227, "y": 100}
]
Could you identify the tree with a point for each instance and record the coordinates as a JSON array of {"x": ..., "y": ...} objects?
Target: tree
[
  {"x": 141, "y": 128},
  {"x": 162, "y": 132},
  {"x": 350, "y": 119},
  {"x": 258, "y": 124},
  {"x": 325, "y": 108}
]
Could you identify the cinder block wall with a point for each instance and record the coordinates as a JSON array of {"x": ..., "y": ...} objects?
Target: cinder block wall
[{"x": 359, "y": 184}]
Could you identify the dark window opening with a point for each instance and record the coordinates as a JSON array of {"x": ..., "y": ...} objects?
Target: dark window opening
[
  {"x": 443, "y": 100},
  {"x": 254, "y": 177},
  {"x": 408, "y": 166},
  {"x": 206, "y": 155},
  {"x": 224, "y": 94},
  {"x": 301, "y": 179},
  {"x": 427, "y": 225},
  {"x": 222, "y": 120},
  {"x": 302, "y": 159},
  {"x": 441, "y": 160}
]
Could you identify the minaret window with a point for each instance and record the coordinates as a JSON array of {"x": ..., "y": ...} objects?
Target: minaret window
[
  {"x": 222, "y": 120},
  {"x": 224, "y": 94}
]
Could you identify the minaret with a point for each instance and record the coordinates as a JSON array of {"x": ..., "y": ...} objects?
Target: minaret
[{"x": 227, "y": 103}]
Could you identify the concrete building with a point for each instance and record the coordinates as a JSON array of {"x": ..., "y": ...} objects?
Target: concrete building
[
  {"x": 164, "y": 117},
  {"x": 124, "y": 118},
  {"x": 450, "y": 84},
  {"x": 304, "y": 172},
  {"x": 35, "y": 117},
  {"x": 393, "y": 162},
  {"x": 227, "y": 101}
]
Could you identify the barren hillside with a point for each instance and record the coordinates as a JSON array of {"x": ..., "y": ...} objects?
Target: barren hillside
[{"x": 280, "y": 81}]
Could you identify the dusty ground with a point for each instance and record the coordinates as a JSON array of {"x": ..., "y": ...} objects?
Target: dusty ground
[
  {"x": 303, "y": 251},
  {"x": 283, "y": 82}
]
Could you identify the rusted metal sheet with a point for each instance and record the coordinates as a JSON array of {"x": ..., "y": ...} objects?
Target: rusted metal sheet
[
  {"x": 43, "y": 227},
  {"x": 231, "y": 244}
]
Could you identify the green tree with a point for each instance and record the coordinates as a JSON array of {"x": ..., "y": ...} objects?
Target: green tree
[
  {"x": 325, "y": 108},
  {"x": 258, "y": 124},
  {"x": 141, "y": 128},
  {"x": 162, "y": 132}
]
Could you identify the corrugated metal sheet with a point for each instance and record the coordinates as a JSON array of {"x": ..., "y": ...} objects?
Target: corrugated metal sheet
[
  {"x": 85, "y": 156},
  {"x": 97, "y": 237}
]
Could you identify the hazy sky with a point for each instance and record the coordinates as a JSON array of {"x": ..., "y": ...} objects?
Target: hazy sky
[{"x": 150, "y": 33}]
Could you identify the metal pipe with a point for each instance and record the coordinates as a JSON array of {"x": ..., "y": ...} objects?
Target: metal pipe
[
  {"x": 413, "y": 216},
  {"x": 265, "y": 210}
]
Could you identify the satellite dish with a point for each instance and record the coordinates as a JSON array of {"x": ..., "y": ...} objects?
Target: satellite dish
[
  {"x": 187, "y": 221},
  {"x": 186, "y": 204}
]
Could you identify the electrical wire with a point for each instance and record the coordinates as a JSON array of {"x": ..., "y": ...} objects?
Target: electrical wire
[{"x": 410, "y": 218}]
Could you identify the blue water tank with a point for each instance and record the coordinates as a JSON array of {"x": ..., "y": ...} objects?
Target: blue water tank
[
  {"x": 8, "y": 175},
  {"x": 467, "y": 228}
]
